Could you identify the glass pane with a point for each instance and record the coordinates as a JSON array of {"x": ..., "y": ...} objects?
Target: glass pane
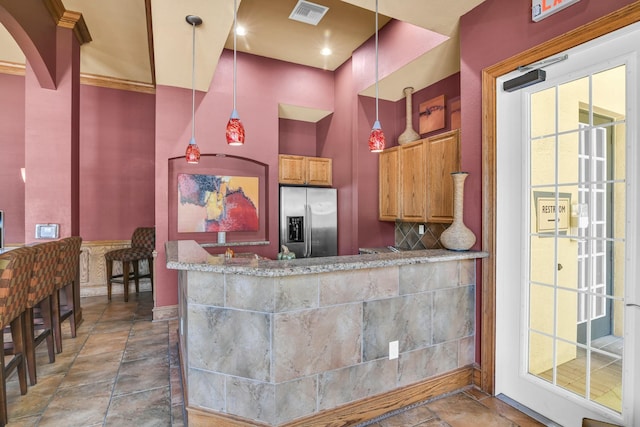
[
  {"x": 568, "y": 157},
  {"x": 572, "y": 368},
  {"x": 543, "y": 161},
  {"x": 606, "y": 380},
  {"x": 617, "y": 202},
  {"x": 608, "y": 90},
  {"x": 541, "y": 356},
  {"x": 541, "y": 309},
  {"x": 571, "y": 97},
  {"x": 567, "y": 205},
  {"x": 618, "y": 157},
  {"x": 543, "y": 112},
  {"x": 543, "y": 262},
  {"x": 567, "y": 312},
  {"x": 617, "y": 282}
]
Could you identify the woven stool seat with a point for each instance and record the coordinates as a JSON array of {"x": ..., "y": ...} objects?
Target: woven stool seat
[{"x": 128, "y": 254}]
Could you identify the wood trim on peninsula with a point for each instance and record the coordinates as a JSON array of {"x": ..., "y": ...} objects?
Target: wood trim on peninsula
[{"x": 353, "y": 413}]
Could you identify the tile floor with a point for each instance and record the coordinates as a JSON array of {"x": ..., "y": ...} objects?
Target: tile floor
[
  {"x": 123, "y": 370},
  {"x": 468, "y": 408},
  {"x": 120, "y": 370}
]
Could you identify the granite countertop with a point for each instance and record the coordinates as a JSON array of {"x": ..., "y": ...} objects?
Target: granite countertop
[
  {"x": 189, "y": 255},
  {"x": 381, "y": 250}
]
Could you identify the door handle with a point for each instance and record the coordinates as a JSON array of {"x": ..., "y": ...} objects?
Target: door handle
[{"x": 632, "y": 305}]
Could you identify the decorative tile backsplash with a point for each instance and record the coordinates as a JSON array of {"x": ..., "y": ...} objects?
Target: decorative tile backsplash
[{"x": 407, "y": 235}]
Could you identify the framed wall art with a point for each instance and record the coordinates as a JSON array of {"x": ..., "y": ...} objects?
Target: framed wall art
[
  {"x": 432, "y": 115},
  {"x": 215, "y": 203}
]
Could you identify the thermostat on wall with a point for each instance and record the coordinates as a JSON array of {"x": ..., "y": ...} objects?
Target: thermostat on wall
[{"x": 46, "y": 231}]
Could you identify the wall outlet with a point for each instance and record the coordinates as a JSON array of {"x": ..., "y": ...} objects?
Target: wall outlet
[
  {"x": 421, "y": 229},
  {"x": 393, "y": 350}
]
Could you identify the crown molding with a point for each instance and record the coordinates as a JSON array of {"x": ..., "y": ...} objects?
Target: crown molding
[
  {"x": 18, "y": 69},
  {"x": 113, "y": 83},
  {"x": 75, "y": 21}
]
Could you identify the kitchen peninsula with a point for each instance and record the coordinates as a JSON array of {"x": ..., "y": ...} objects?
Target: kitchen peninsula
[{"x": 307, "y": 341}]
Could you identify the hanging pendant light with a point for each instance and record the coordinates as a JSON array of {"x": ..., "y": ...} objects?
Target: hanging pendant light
[
  {"x": 193, "y": 152},
  {"x": 376, "y": 139},
  {"x": 235, "y": 130}
]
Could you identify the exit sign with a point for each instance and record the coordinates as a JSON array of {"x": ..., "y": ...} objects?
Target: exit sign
[{"x": 540, "y": 9}]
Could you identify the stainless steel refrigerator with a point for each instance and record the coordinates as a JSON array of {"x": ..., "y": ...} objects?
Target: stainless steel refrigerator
[{"x": 309, "y": 221}]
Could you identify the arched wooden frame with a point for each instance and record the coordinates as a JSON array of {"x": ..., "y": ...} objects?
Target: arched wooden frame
[{"x": 604, "y": 25}]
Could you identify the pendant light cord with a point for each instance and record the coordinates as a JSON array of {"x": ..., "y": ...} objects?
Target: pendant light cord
[
  {"x": 235, "y": 24},
  {"x": 193, "y": 83},
  {"x": 376, "y": 60}
]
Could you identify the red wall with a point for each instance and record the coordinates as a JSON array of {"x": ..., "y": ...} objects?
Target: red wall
[
  {"x": 117, "y": 144},
  {"x": 116, "y": 161},
  {"x": 297, "y": 138},
  {"x": 12, "y": 156}
]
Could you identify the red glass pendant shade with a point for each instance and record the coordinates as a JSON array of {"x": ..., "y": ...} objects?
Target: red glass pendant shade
[
  {"x": 235, "y": 130},
  {"x": 376, "y": 139},
  {"x": 193, "y": 152}
]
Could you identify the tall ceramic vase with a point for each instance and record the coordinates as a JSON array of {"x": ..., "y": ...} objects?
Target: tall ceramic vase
[
  {"x": 409, "y": 134},
  {"x": 458, "y": 237}
]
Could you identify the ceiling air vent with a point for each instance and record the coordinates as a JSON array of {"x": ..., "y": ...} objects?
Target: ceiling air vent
[{"x": 307, "y": 12}]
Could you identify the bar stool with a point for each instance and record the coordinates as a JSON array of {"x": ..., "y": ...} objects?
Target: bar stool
[
  {"x": 15, "y": 273},
  {"x": 66, "y": 276},
  {"x": 41, "y": 289},
  {"x": 143, "y": 243}
]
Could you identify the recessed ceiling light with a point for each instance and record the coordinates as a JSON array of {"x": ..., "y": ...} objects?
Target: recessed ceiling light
[
  {"x": 241, "y": 31},
  {"x": 326, "y": 51}
]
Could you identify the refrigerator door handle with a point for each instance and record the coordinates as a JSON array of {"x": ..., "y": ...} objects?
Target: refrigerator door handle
[
  {"x": 310, "y": 228},
  {"x": 304, "y": 233}
]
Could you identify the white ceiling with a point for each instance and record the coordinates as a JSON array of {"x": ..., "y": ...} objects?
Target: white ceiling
[{"x": 120, "y": 40}]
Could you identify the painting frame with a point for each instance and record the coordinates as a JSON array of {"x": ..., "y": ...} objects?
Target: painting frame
[{"x": 217, "y": 203}]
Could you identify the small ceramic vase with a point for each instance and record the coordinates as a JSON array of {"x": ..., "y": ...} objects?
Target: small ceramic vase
[{"x": 409, "y": 134}]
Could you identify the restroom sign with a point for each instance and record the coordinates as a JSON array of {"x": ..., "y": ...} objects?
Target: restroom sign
[
  {"x": 551, "y": 211},
  {"x": 540, "y": 9}
]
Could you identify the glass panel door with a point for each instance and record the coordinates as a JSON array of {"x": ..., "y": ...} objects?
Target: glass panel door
[{"x": 576, "y": 241}]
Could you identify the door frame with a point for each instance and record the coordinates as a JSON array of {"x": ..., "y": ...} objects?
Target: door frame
[{"x": 627, "y": 15}]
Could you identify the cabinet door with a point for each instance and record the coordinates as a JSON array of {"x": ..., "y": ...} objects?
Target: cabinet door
[
  {"x": 388, "y": 185},
  {"x": 291, "y": 169},
  {"x": 413, "y": 182},
  {"x": 319, "y": 171},
  {"x": 443, "y": 155}
]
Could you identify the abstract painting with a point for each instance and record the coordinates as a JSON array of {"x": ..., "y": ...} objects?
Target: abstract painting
[{"x": 212, "y": 203}]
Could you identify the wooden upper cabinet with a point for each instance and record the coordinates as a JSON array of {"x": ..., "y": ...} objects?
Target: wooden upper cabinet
[
  {"x": 303, "y": 170},
  {"x": 413, "y": 163},
  {"x": 319, "y": 171},
  {"x": 389, "y": 184},
  {"x": 443, "y": 152},
  {"x": 415, "y": 182},
  {"x": 291, "y": 169}
]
